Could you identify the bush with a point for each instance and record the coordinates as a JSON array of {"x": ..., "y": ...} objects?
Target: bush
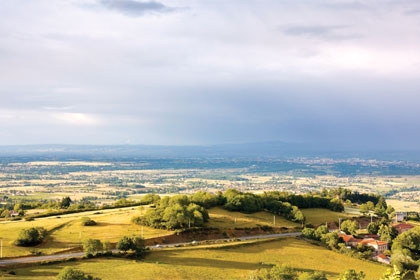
[
  {"x": 69, "y": 273},
  {"x": 86, "y": 221}
]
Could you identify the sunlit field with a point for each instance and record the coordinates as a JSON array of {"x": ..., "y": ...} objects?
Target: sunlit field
[{"x": 230, "y": 262}]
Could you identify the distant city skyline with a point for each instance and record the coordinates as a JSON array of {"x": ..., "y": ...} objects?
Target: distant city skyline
[{"x": 111, "y": 72}]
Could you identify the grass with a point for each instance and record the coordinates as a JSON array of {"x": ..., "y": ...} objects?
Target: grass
[
  {"x": 66, "y": 231},
  {"x": 223, "y": 219},
  {"x": 231, "y": 262},
  {"x": 316, "y": 216}
]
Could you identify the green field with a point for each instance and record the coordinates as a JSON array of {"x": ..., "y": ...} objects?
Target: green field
[
  {"x": 229, "y": 262},
  {"x": 316, "y": 216}
]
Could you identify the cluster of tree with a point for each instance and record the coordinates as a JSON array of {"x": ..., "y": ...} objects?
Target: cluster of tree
[
  {"x": 307, "y": 200},
  {"x": 322, "y": 234},
  {"x": 384, "y": 230},
  {"x": 406, "y": 251},
  {"x": 285, "y": 272},
  {"x": 353, "y": 196},
  {"x": 92, "y": 247},
  {"x": 133, "y": 244},
  {"x": 31, "y": 236},
  {"x": 68, "y": 273},
  {"x": 177, "y": 212}
]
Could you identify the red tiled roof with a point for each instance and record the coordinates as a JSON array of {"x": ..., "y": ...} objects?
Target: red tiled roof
[{"x": 403, "y": 226}]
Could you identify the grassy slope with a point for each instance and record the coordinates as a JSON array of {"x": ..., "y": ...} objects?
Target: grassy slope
[
  {"x": 232, "y": 262},
  {"x": 66, "y": 231}
]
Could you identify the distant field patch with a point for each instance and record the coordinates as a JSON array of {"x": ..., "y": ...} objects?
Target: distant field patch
[{"x": 404, "y": 206}]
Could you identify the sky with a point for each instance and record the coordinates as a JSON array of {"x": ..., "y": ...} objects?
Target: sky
[{"x": 334, "y": 73}]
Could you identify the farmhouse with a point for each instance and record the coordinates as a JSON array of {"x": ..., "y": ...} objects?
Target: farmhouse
[
  {"x": 379, "y": 246},
  {"x": 403, "y": 227}
]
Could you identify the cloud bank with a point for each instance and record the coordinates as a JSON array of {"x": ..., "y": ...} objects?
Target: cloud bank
[{"x": 104, "y": 72}]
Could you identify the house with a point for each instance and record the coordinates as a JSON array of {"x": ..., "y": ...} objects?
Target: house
[
  {"x": 383, "y": 259},
  {"x": 13, "y": 213},
  {"x": 403, "y": 227},
  {"x": 378, "y": 246},
  {"x": 400, "y": 216},
  {"x": 349, "y": 240}
]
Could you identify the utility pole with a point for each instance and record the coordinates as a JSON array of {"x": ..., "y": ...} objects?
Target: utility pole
[{"x": 274, "y": 220}]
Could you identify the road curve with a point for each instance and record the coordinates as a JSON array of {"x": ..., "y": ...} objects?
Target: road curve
[{"x": 57, "y": 257}]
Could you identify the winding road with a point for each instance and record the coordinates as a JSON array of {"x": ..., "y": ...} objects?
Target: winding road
[{"x": 58, "y": 257}]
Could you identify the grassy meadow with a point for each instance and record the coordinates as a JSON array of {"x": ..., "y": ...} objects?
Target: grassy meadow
[{"x": 224, "y": 262}]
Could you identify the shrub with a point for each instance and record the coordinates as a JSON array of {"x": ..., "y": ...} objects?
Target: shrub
[{"x": 86, "y": 221}]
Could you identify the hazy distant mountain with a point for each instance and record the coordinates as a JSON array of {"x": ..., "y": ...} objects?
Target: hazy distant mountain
[{"x": 245, "y": 150}]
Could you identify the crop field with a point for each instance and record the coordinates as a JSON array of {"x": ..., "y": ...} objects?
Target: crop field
[
  {"x": 228, "y": 262},
  {"x": 107, "y": 181}
]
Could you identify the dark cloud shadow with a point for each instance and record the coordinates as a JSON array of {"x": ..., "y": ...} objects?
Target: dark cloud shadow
[
  {"x": 135, "y": 8},
  {"x": 326, "y": 32}
]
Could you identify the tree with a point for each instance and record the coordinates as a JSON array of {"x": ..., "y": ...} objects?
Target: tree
[
  {"x": 68, "y": 273},
  {"x": 321, "y": 231},
  {"x": 309, "y": 233},
  {"x": 317, "y": 275},
  {"x": 349, "y": 227},
  {"x": 331, "y": 239},
  {"x": 392, "y": 274},
  {"x": 31, "y": 237},
  {"x": 364, "y": 209},
  {"x": 65, "y": 202},
  {"x": 125, "y": 244},
  {"x": 92, "y": 246},
  {"x": 387, "y": 233},
  {"x": 372, "y": 228},
  {"x": 134, "y": 243},
  {"x": 351, "y": 274},
  {"x": 283, "y": 272}
]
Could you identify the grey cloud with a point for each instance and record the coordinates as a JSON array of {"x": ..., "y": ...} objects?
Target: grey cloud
[
  {"x": 134, "y": 8},
  {"x": 332, "y": 32},
  {"x": 350, "y": 5},
  {"x": 412, "y": 12}
]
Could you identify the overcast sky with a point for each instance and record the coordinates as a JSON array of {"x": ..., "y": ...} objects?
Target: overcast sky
[{"x": 180, "y": 72}]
